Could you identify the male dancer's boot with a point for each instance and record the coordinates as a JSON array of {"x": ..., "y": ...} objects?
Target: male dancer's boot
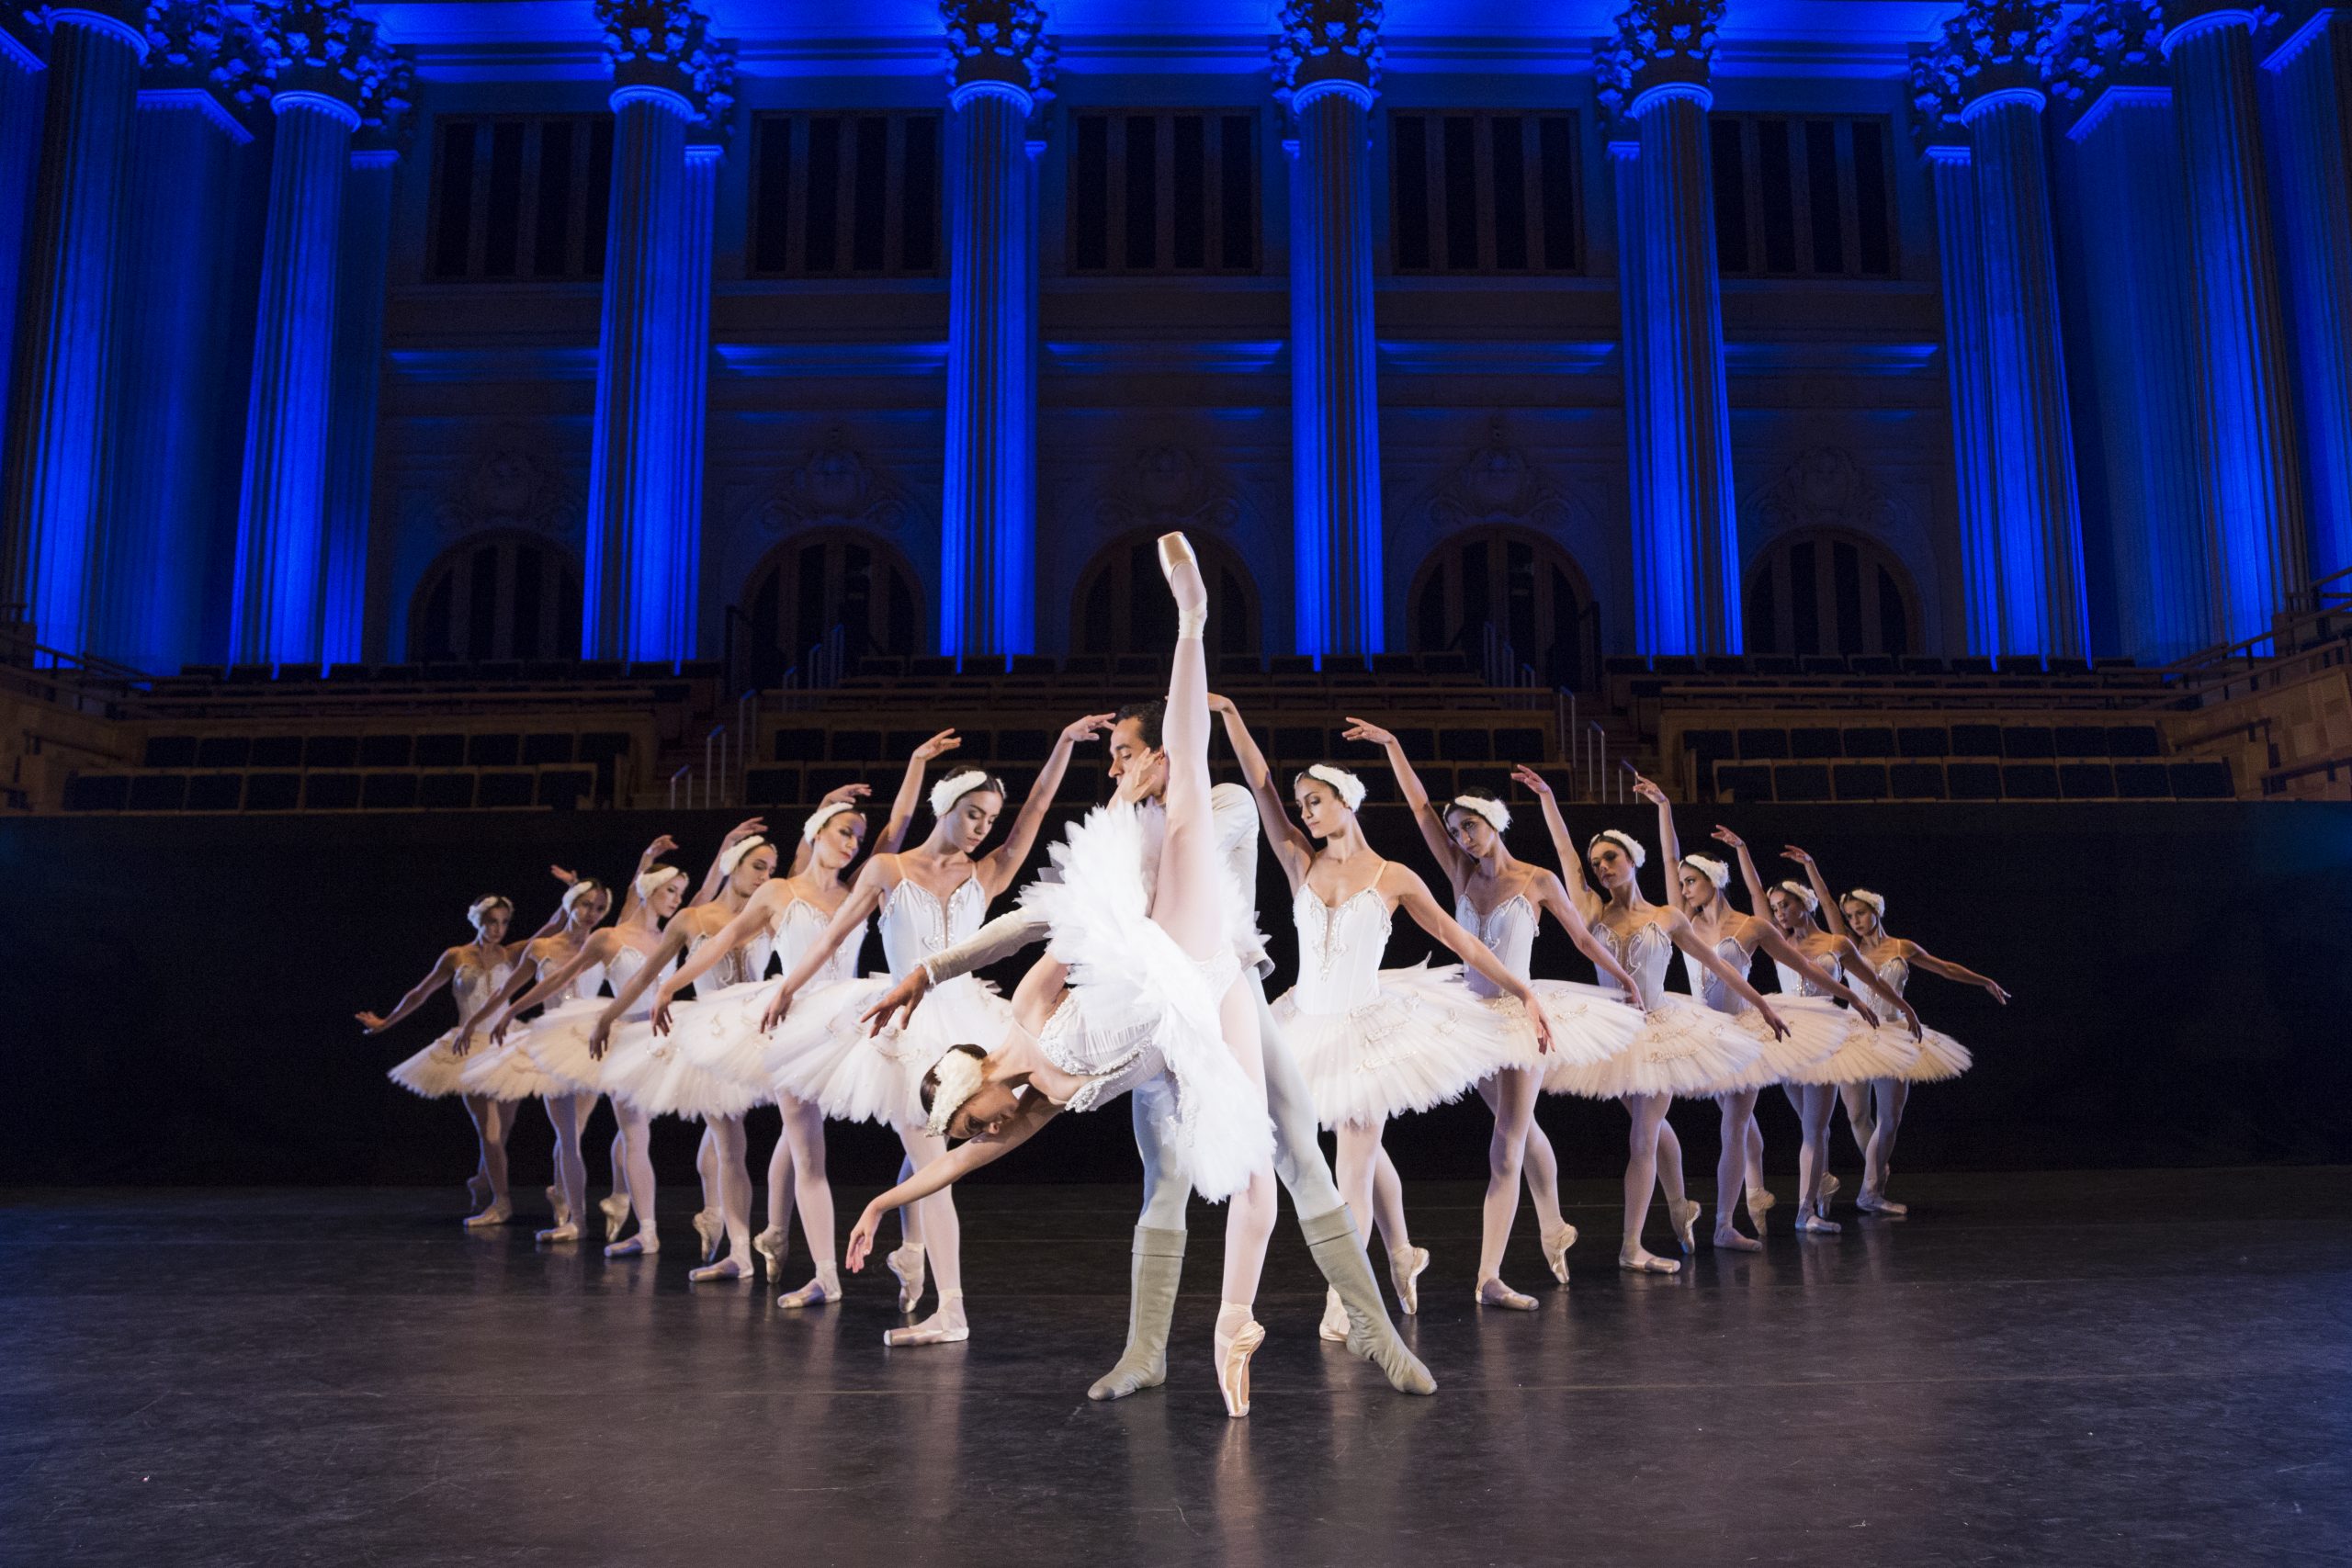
[
  {"x": 1338, "y": 1252},
  {"x": 1151, "y": 1307}
]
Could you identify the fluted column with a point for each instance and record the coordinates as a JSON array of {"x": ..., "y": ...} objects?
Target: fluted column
[
  {"x": 2255, "y": 484},
  {"x": 696, "y": 214},
  {"x": 359, "y": 381},
  {"x": 23, "y": 81},
  {"x": 988, "y": 507},
  {"x": 2034, "y": 452},
  {"x": 1633, "y": 333},
  {"x": 57, "y": 443},
  {"x": 1327, "y": 61},
  {"x": 642, "y": 592},
  {"x": 1969, "y": 387},
  {"x": 2310, "y": 134},
  {"x": 172, "y": 277},
  {"x": 2126, "y": 199}
]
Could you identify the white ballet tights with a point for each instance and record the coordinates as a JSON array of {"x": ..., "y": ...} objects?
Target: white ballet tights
[
  {"x": 1540, "y": 1164},
  {"x": 637, "y": 1159},
  {"x": 1511, "y": 1092},
  {"x": 1732, "y": 1163},
  {"x": 1648, "y": 1142},
  {"x": 936, "y": 1230},
  {"x": 1387, "y": 1199},
  {"x": 568, "y": 1114},
  {"x": 796, "y": 1180},
  {"x": 729, "y": 1146},
  {"x": 1816, "y": 1103},
  {"x": 1361, "y": 1159},
  {"x": 490, "y": 1132},
  {"x": 1878, "y": 1156}
]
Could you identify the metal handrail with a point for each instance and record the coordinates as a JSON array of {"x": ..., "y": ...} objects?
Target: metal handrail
[{"x": 687, "y": 772}]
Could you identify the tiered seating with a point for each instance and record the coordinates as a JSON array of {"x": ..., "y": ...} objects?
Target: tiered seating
[{"x": 1970, "y": 760}]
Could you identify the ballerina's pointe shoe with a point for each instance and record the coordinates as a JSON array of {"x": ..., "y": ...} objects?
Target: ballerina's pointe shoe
[
  {"x": 712, "y": 1230},
  {"x": 1758, "y": 1205},
  {"x": 1556, "y": 1251},
  {"x": 1635, "y": 1260},
  {"x": 1684, "y": 1214},
  {"x": 639, "y": 1246},
  {"x": 907, "y": 1264},
  {"x": 1406, "y": 1267},
  {"x": 555, "y": 1203},
  {"x": 1334, "y": 1326},
  {"x": 1870, "y": 1203},
  {"x": 946, "y": 1327},
  {"x": 1182, "y": 570},
  {"x": 614, "y": 1208},
  {"x": 1494, "y": 1293},
  {"x": 1729, "y": 1240},
  {"x": 825, "y": 1287},
  {"x": 496, "y": 1214},
  {"x": 1814, "y": 1224},
  {"x": 478, "y": 1188},
  {"x": 770, "y": 1245},
  {"x": 728, "y": 1267},
  {"x": 565, "y": 1232},
  {"x": 1236, "y": 1339}
]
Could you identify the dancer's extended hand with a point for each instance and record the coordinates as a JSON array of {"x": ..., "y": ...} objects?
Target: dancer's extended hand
[
  {"x": 1221, "y": 705},
  {"x": 1911, "y": 1017},
  {"x": 860, "y": 1239},
  {"x": 464, "y": 1042},
  {"x": 498, "y": 1029},
  {"x": 1648, "y": 791},
  {"x": 1791, "y": 853},
  {"x": 746, "y": 829},
  {"x": 1772, "y": 1020},
  {"x": 897, "y": 1006},
  {"x": 845, "y": 793},
  {"x": 660, "y": 1015},
  {"x": 1724, "y": 835},
  {"x": 939, "y": 745},
  {"x": 600, "y": 1037},
  {"x": 564, "y": 875},
  {"x": 1529, "y": 778},
  {"x": 371, "y": 1023},
  {"x": 662, "y": 845},
  {"x": 777, "y": 1005},
  {"x": 1543, "y": 1022},
  {"x": 1364, "y": 730},
  {"x": 1087, "y": 728},
  {"x": 1992, "y": 988}
]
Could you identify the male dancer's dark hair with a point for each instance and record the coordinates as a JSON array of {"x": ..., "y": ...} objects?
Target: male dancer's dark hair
[{"x": 1147, "y": 716}]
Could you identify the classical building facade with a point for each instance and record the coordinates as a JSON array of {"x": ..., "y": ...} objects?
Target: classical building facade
[{"x": 645, "y": 329}]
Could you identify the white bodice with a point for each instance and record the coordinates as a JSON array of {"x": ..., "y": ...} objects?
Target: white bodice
[
  {"x": 1508, "y": 931},
  {"x": 1645, "y": 955},
  {"x": 915, "y": 925},
  {"x": 1339, "y": 950},
  {"x": 1895, "y": 972},
  {"x": 1710, "y": 989},
  {"x": 748, "y": 962},
  {"x": 801, "y": 927},
  {"x": 474, "y": 986},
  {"x": 1790, "y": 981},
  {"x": 625, "y": 962}
]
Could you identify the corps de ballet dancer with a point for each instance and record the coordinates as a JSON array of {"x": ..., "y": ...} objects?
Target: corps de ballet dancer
[
  {"x": 1375, "y": 1044},
  {"x": 1139, "y": 765},
  {"x": 1143, "y": 981},
  {"x": 1684, "y": 1049},
  {"x": 475, "y": 972},
  {"x": 1861, "y": 915},
  {"x": 1500, "y": 898},
  {"x": 927, "y": 897},
  {"x": 1866, "y": 1053},
  {"x": 1818, "y": 1030}
]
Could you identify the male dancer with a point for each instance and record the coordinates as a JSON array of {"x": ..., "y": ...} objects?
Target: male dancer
[{"x": 1141, "y": 765}]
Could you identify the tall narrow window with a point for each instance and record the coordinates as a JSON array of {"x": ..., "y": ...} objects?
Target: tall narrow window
[
  {"x": 1801, "y": 197},
  {"x": 1163, "y": 192},
  {"x": 1487, "y": 192},
  {"x": 517, "y": 197},
  {"x": 845, "y": 196}
]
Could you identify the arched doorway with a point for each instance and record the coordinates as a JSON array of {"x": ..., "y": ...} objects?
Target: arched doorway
[
  {"x": 1123, "y": 604},
  {"x": 506, "y": 595},
  {"x": 812, "y": 582},
  {"x": 1824, "y": 591},
  {"x": 1521, "y": 584}
]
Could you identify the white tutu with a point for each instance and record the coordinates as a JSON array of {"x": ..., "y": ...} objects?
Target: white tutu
[
  {"x": 821, "y": 1053},
  {"x": 1865, "y": 1052},
  {"x": 434, "y": 1072},
  {"x": 558, "y": 1044},
  {"x": 1419, "y": 1042},
  {"x": 1685, "y": 1048},
  {"x": 507, "y": 1072},
  {"x": 1818, "y": 1030},
  {"x": 672, "y": 1075},
  {"x": 1936, "y": 1058},
  {"x": 1589, "y": 1025},
  {"x": 1136, "y": 988}
]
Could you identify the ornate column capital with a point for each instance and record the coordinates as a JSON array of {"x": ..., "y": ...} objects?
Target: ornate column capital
[
  {"x": 321, "y": 54},
  {"x": 997, "y": 46},
  {"x": 1661, "y": 48},
  {"x": 1328, "y": 46},
  {"x": 2112, "y": 52},
  {"x": 126, "y": 19},
  {"x": 1992, "y": 53},
  {"x": 2184, "y": 19},
  {"x": 200, "y": 55},
  {"x": 661, "y": 50},
  {"x": 1936, "y": 128}
]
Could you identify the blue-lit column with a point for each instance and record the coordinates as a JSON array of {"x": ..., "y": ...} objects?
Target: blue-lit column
[
  {"x": 23, "y": 77},
  {"x": 2310, "y": 135},
  {"x": 56, "y": 458},
  {"x": 641, "y": 592},
  {"x": 696, "y": 214},
  {"x": 1327, "y": 61},
  {"x": 323, "y": 56},
  {"x": 2126, "y": 201},
  {"x": 1686, "y": 536},
  {"x": 988, "y": 525},
  {"x": 2255, "y": 481},
  {"x": 203, "y": 76},
  {"x": 1633, "y": 333},
  {"x": 2001, "y": 44}
]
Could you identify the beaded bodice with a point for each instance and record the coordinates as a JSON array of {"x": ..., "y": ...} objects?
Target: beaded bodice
[
  {"x": 1339, "y": 950},
  {"x": 1644, "y": 953},
  {"x": 1508, "y": 931},
  {"x": 915, "y": 924}
]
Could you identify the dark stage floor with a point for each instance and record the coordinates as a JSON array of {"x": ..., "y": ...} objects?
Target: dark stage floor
[{"x": 2074, "y": 1369}]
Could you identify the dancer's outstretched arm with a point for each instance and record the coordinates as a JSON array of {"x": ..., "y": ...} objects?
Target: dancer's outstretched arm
[
  {"x": 881, "y": 874},
  {"x": 949, "y": 1168},
  {"x": 1669, "y": 843},
  {"x": 1412, "y": 895},
  {"x": 997, "y": 868},
  {"x": 1427, "y": 817},
  {"x": 1921, "y": 958},
  {"x": 1554, "y": 899},
  {"x": 1831, "y": 910},
  {"x": 444, "y": 970},
  {"x": 1856, "y": 965},
  {"x": 1292, "y": 847},
  {"x": 1000, "y": 937},
  {"x": 1747, "y": 873},
  {"x": 910, "y": 796},
  {"x": 1588, "y": 902},
  {"x": 599, "y": 948},
  {"x": 759, "y": 912},
  {"x": 1702, "y": 952},
  {"x": 1781, "y": 950}
]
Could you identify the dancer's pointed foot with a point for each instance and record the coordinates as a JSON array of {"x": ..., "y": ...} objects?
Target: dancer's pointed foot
[
  {"x": 614, "y": 1208},
  {"x": 908, "y": 1265},
  {"x": 825, "y": 1287},
  {"x": 555, "y": 1203},
  {"x": 1334, "y": 1326},
  {"x": 1727, "y": 1239},
  {"x": 946, "y": 1327},
  {"x": 1556, "y": 1251},
  {"x": 770, "y": 1244},
  {"x": 1814, "y": 1224},
  {"x": 1684, "y": 1214},
  {"x": 734, "y": 1266},
  {"x": 1758, "y": 1205},
  {"x": 565, "y": 1232},
  {"x": 1493, "y": 1292},
  {"x": 1236, "y": 1339},
  {"x": 641, "y": 1245},
  {"x": 496, "y": 1214},
  {"x": 1870, "y": 1203},
  {"x": 1829, "y": 1185},
  {"x": 478, "y": 1188},
  {"x": 712, "y": 1228},
  {"x": 1641, "y": 1260},
  {"x": 1183, "y": 569},
  {"x": 1406, "y": 1267}
]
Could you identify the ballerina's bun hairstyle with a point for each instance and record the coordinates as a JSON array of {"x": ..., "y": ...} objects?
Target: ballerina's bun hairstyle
[
  {"x": 1624, "y": 841},
  {"x": 653, "y": 881},
  {"x": 1150, "y": 717},
  {"x": 1802, "y": 894},
  {"x": 956, "y": 787},
  {"x": 1710, "y": 868},
  {"x": 953, "y": 1080},
  {"x": 479, "y": 910},
  {"x": 735, "y": 855},
  {"x": 579, "y": 890},
  {"x": 818, "y": 818},
  {"x": 1484, "y": 804},
  {"x": 1876, "y": 901},
  {"x": 1349, "y": 787}
]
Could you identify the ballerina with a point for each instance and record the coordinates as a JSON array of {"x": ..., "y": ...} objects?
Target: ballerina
[
  {"x": 1373, "y": 1044},
  {"x": 1143, "y": 980},
  {"x": 1684, "y": 1048},
  {"x": 1500, "y": 898},
  {"x": 1861, "y": 915},
  {"x": 929, "y": 896},
  {"x": 1866, "y": 1053},
  {"x": 474, "y": 972},
  {"x": 1817, "y": 1029}
]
